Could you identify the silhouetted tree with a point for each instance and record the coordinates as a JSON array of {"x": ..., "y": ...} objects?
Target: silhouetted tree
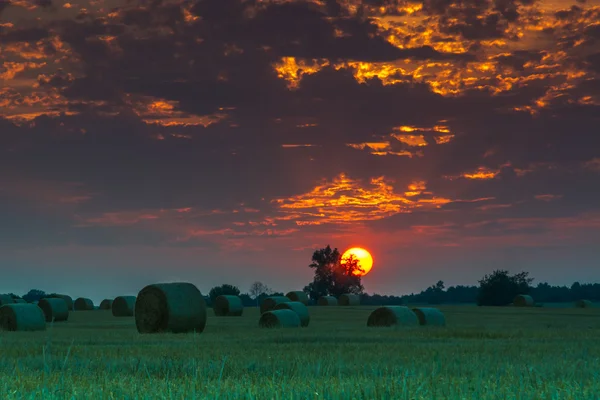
[
  {"x": 435, "y": 293},
  {"x": 34, "y": 295},
  {"x": 499, "y": 288},
  {"x": 223, "y": 290},
  {"x": 259, "y": 291},
  {"x": 333, "y": 276}
]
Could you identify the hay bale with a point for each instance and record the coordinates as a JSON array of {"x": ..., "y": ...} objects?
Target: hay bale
[
  {"x": 22, "y": 317},
  {"x": 297, "y": 307},
  {"x": 228, "y": 306},
  {"x": 583, "y": 304},
  {"x": 83, "y": 304},
  {"x": 106, "y": 304},
  {"x": 170, "y": 307},
  {"x": 523, "y": 300},
  {"x": 123, "y": 306},
  {"x": 6, "y": 299},
  {"x": 269, "y": 303},
  {"x": 327, "y": 301},
  {"x": 349, "y": 299},
  {"x": 65, "y": 297},
  {"x": 20, "y": 301},
  {"x": 279, "y": 319},
  {"x": 393, "y": 316},
  {"x": 429, "y": 316},
  {"x": 298, "y": 295},
  {"x": 54, "y": 309}
]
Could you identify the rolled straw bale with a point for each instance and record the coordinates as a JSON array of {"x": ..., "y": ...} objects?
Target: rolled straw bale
[
  {"x": 6, "y": 299},
  {"x": 327, "y": 301},
  {"x": 279, "y": 319},
  {"x": 297, "y": 307},
  {"x": 83, "y": 304},
  {"x": 523, "y": 300},
  {"x": 22, "y": 317},
  {"x": 349, "y": 300},
  {"x": 228, "y": 306},
  {"x": 298, "y": 295},
  {"x": 67, "y": 298},
  {"x": 393, "y": 316},
  {"x": 106, "y": 304},
  {"x": 54, "y": 309},
  {"x": 20, "y": 301},
  {"x": 170, "y": 307},
  {"x": 583, "y": 304},
  {"x": 123, "y": 306},
  {"x": 269, "y": 303},
  {"x": 430, "y": 316}
]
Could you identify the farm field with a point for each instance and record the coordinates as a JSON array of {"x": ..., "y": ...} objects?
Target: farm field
[{"x": 482, "y": 353}]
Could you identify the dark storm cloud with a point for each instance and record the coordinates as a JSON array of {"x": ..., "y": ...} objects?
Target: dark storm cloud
[{"x": 24, "y": 35}]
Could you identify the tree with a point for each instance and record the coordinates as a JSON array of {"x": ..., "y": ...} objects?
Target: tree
[
  {"x": 34, "y": 295},
  {"x": 258, "y": 291},
  {"x": 435, "y": 293},
  {"x": 223, "y": 290},
  {"x": 334, "y": 276},
  {"x": 499, "y": 289}
]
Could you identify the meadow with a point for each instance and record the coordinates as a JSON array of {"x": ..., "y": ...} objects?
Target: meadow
[{"x": 482, "y": 353}]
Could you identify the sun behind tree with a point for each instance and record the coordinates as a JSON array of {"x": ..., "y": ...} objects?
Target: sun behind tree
[{"x": 365, "y": 260}]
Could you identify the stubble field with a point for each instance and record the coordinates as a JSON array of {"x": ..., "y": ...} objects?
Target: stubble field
[{"x": 482, "y": 353}]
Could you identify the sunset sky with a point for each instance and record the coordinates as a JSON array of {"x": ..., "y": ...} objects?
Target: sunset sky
[{"x": 224, "y": 141}]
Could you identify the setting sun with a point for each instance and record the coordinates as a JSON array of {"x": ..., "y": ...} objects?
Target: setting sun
[{"x": 365, "y": 261}]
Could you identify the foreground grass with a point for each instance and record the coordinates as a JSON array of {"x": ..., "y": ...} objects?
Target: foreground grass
[{"x": 483, "y": 353}]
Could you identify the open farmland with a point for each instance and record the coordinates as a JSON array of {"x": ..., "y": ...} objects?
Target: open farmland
[{"x": 483, "y": 353}]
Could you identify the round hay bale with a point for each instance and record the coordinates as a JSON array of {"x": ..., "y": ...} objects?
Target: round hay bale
[
  {"x": 523, "y": 300},
  {"x": 6, "y": 299},
  {"x": 228, "y": 306},
  {"x": 123, "y": 306},
  {"x": 20, "y": 301},
  {"x": 583, "y": 304},
  {"x": 106, "y": 304},
  {"x": 393, "y": 316},
  {"x": 279, "y": 319},
  {"x": 429, "y": 316},
  {"x": 54, "y": 309},
  {"x": 297, "y": 307},
  {"x": 65, "y": 297},
  {"x": 349, "y": 299},
  {"x": 269, "y": 303},
  {"x": 170, "y": 307},
  {"x": 22, "y": 317},
  {"x": 298, "y": 295},
  {"x": 327, "y": 301},
  {"x": 83, "y": 304}
]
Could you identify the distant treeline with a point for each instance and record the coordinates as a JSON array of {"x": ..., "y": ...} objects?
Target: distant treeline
[
  {"x": 542, "y": 293},
  {"x": 436, "y": 294}
]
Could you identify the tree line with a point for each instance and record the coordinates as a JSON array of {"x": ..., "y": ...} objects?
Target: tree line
[{"x": 334, "y": 276}]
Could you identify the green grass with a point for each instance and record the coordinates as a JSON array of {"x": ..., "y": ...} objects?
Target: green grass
[{"x": 483, "y": 353}]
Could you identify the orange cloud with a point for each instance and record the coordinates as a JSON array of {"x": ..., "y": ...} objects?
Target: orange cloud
[{"x": 345, "y": 200}]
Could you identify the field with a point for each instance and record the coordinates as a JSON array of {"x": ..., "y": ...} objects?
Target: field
[{"x": 483, "y": 353}]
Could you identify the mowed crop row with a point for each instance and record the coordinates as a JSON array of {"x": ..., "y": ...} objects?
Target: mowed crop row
[{"x": 482, "y": 353}]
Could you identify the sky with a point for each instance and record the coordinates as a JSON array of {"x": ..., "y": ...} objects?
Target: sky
[{"x": 212, "y": 142}]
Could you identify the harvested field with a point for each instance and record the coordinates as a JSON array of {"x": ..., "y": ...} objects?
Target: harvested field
[{"x": 481, "y": 354}]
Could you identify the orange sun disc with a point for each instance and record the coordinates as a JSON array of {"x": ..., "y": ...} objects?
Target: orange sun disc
[{"x": 365, "y": 261}]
